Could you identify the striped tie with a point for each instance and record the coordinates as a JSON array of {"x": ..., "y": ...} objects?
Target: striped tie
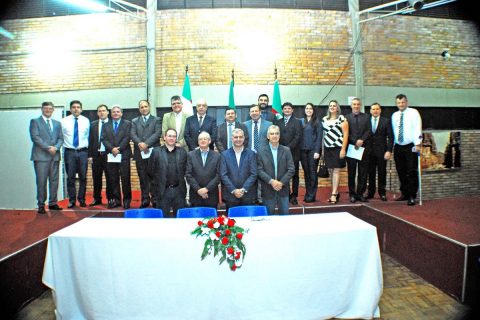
[
  {"x": 255, "y": 136},
  {"x": 400, "y": 128}
]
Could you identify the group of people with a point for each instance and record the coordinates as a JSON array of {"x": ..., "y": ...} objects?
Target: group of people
[{"x": 256, "y": 162}]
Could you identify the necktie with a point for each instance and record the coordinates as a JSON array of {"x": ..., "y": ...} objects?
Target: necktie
[
  {"x": 200, "y": 121},
  {"x": 204, "y": 157},
  {"x": 115, "y": 126},
  {"x": 374, "y": 127},
  {"x": 75, "y": 134},
  {"x": 101, "y": 129},
  {"x": 229, "y": 135},
  {"x": 49, "y": 125},
  {"x": 255, "y": 136},
  {"x": 286, "y": 120},
  {"x": 400, "y": 128},
  {"x": 144, "y": 119}
]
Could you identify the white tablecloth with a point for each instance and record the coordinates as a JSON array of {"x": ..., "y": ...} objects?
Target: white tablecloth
[{"x": 296, "y": 267}]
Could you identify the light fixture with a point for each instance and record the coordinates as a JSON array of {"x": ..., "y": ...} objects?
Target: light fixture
[
  {"x": 88, "y": 4},
  {"x": 416, "y": 4}
]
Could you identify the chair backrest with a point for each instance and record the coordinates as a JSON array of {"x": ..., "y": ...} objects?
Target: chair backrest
[
  {"x": 143, "y": 213},
  {"x": 247, "y": 211},
  {"x": 197, "y": 212}
]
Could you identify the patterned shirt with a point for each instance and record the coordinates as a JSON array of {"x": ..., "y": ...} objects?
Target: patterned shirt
[{"x": 332, "y": 132}]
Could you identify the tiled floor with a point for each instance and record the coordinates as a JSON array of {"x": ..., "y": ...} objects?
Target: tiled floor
[{"x": 405, "y": 296}]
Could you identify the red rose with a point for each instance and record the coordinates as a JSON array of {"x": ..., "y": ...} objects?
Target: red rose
[
  {"x": 218, "y": 234},
  {"x": 239, "y": 236},
  {"x": 230, "y": 250},
  {"x": 237, "y": 255},
  {"x": 231, "y": 222},
  {"x": 210, "y": 224},
  {"x": 221, "y": 220},
  {"x": 224, "y": 240},
  {"x": 200, "y": 223},
  {"x": 233, "y": 267},
  {"x": 228, "y": 232}
]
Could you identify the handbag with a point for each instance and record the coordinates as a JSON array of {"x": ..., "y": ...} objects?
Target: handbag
[{"x": 322, "y": 169}]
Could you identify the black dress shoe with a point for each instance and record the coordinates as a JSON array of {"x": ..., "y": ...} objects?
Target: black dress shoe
[
  {"x": 383, "y": 197},
  {"x": 95, "y": 203},
  {"x": 55, "y": 207},
  {"x": 71, "y": 205},
  {"x": 83, "y": 204},
  {"x": 309, "y": 200},
  {"x": 294, "y": 201},
  {"x": 362, "y": 199},
  {"x": 126, "y": 204},
  {"x": 113, "y": 204},
  {"x": 41, "y": 210},
  {"x": 411, "y": 202},
  {"x": 353, "y": 199},
  {"x": 402, "y": 198}
]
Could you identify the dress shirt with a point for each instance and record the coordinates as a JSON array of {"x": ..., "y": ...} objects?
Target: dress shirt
[
  {"x": 238, "y": 155},
  {"x": 101, "y": 147},
  {"x": 178, "y": 122},
  {"x": 68, "y": 124},
  {"x": 412, "y": 126},
  {"x": 204, "y": 156},
  {"x": 200, "y": 119},
  {"x": 375, "y": 123},
  {"x": 229, "y": 131},
  {"x": 286, "y": 119},
  {"x": 274, "y": 154},
  {"x": 145, "y": 118},
  {"x": 48, "y": 121}
]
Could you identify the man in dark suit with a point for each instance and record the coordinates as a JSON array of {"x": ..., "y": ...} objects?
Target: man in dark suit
[
  {"x": 238, "y": 173},
  {"x": 145, "y": 134},
  {"x": 98, "y": 154},
  {"x": 224, "y": 131},
  {"x": 200, "y": 122},
  {"x": 275, "y": 169},
  {"x": 47, "y": 138},
  {"x": 359, "y": 132},
  {"x": 116, "y": 138},
  {"x": 166, "y": 168},
  {"x": 381, "y": 145},
  {"x": 291, "y": 137},
  {"x": 203, "y": 173},
  {"x": 257, "y": 129}
]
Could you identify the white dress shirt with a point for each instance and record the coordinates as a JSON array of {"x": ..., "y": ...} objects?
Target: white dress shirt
[
  {"x": 100, "y": 126},
  {"x": 412, "y": 126},
  {"x": 178, "y": 122},
  {"x": 68, "y": 124}
]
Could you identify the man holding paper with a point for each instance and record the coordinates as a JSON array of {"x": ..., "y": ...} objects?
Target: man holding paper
[
  {"x": 116, "y": 138},
  {"x": 357, "y": 153},
  {"x": 145, "y": 134}
]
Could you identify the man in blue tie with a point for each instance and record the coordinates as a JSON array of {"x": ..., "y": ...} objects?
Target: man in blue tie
[
  {"x": 407, "y": 130},
  {"x": 224, "y": 131},
  {"x": 76, "y": 129}
]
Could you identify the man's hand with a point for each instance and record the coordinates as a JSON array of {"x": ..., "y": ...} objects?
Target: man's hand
[
  {"x": 203, "y": 192},
  {"x": 238, "y": 193},
  {"x": 276, "y": 185},
  {"x": 52, "y": 150},
  {"x": 387, "y": 155},
  {"x": 143, "y": 147},
  {"x": 359, "y": 143},
  {"x": 115, "y": 151}
]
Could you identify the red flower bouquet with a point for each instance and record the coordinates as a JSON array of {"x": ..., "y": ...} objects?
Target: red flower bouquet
[{"x": 224, "y": 238}]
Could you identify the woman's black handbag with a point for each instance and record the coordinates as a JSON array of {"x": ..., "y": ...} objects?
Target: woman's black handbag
[{"x": 323, "y": 170}]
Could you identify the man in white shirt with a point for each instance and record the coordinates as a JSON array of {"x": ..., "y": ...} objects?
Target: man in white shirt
[
  {"x": 407, "y": 130},
  {"x": 76, "y": 129}
]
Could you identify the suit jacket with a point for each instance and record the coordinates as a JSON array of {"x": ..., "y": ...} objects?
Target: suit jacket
[
  {"x": 222, "y": 136},
  {"x": 262, "y": 133},
  {"x": 291, "y": 134},
  {"x": 42, "y": 137},
  {"x": 148, "y": 133},
  {"x": 359, "y": 129},
  {"x": 93, "y": 138},
  {"x": 168, "y": 122},
  {"x": 382, "y": 140},
  {"x": 266, "y": 170},
  {"x": 312, "y": 136},
  {"x": 199, "y": 176},
  {"x": 234, "y": 176},
  {"x": 266, "y": 114},
  {"x": 193, "y": 129},
  {"x": 121, "y": 139},
  {"x": 157, "y": 169}
]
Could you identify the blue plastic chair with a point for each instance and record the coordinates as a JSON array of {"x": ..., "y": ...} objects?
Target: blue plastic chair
[
  {"x": 247, "y": 211},
  {"x": 197, "y": 212},
  {"x": 143, "y": 213}
]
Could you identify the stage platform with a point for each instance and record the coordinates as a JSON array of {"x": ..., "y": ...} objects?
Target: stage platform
[{"x": 439, "y": 240}]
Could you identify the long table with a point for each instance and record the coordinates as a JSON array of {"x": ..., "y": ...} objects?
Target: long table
[{"x": 316, "y": 266}]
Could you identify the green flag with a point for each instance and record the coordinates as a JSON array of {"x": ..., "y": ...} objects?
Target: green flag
[
  {"x": 277, "y": 101},
  {"x": 187, "y": 96},
  {"x": 231, "y": 97}
]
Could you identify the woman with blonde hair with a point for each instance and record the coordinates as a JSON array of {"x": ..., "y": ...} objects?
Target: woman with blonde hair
[{"x": 335, "y": 142}]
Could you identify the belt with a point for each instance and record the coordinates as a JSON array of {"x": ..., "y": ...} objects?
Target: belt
[
  {"x": 77, "y": 150},
  {"x": 172, "y": 186}
]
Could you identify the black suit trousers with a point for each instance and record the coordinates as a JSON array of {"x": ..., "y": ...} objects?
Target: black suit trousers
[
  {"x": 99, "y": 166},
  {"x": 295, "y": 178},
  {"x": 309, "y": 166},
  {"x": 377, "y": 163},
  {"x": 353, "y": 165},
  {"x": 115, "y": 172},
  {"x": 145, "y": 181},
  {"x": 406, "y": 163}
]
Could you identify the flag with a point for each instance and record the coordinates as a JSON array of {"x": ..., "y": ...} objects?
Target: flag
[
  {"x": 187, "y": 96},
  {"x": 277, "y": 100},
  {"x": 231, "y": 98}
]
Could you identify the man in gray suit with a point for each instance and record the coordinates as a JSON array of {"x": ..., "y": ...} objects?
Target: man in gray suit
[
  {"x": 275, "y": 169},
  {"x": 145, "y": 134},
  {"x": 203, "y": 174},
  {"x": 47, "y": 138}
]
